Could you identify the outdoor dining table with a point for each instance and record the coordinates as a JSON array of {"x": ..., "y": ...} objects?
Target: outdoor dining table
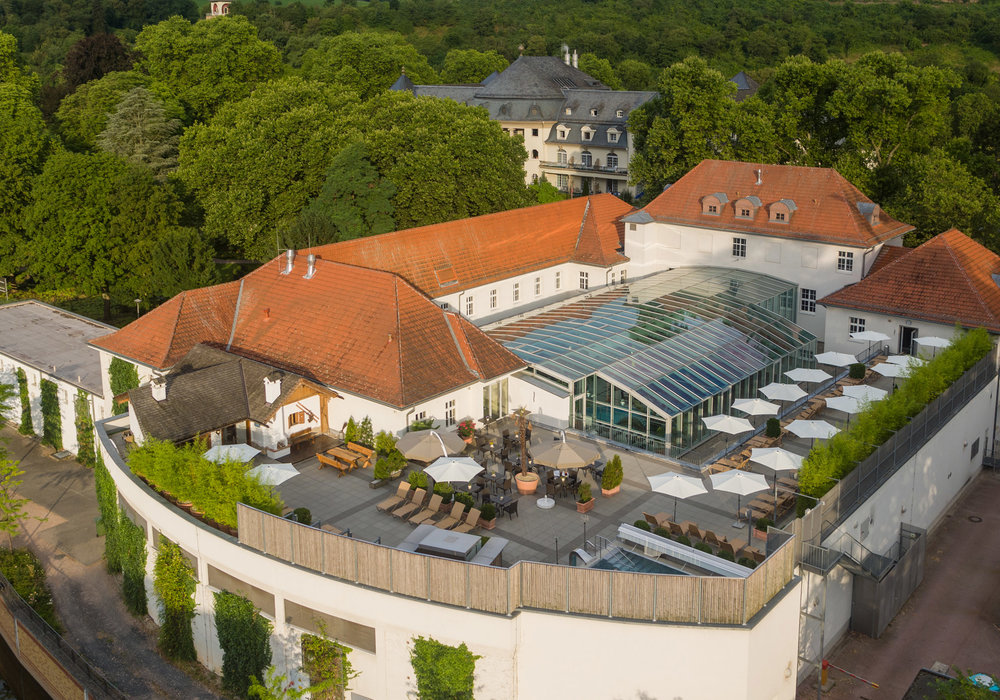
[{"x": 504, "y": 502}]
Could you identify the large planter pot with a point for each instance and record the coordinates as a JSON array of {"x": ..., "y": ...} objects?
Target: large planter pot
[
  {"x": 469, "y": 440},
  {"x": 488, "y": 524},
  {"x": 759, "y": 534},
  {"x": 526, "y": 483},
  {"x": 611, "y": 492},
  {"x": 585, "y": 507}
]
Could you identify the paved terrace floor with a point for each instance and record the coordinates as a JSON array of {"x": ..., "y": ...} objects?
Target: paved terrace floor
[{"x": 535, "y": 534}]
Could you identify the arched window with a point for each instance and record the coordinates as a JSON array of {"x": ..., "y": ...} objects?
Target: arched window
[
  {"x": 534, "y": 153},
  {"x": 586, "y": 160},
  {"x": 613, "y": 161},
  {"x": 561, "y": 157}
]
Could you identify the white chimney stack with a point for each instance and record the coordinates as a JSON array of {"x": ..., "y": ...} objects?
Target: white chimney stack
[
  {"x": 159, "y": 387},
  {"x": 574, "y": 59},
  {"x": 760, "y": 174},
  {"x": 272, "y": 387},
  {"x": 311, "y": 270},
  {"x": 289, "y": 261},
  {"x": 565, "y": 49}
]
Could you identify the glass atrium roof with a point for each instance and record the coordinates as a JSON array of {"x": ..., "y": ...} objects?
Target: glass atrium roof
[{"x": 674, "y": 338}]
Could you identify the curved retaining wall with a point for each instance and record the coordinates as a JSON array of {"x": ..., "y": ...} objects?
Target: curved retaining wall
[{"x": 526, "y": 652}]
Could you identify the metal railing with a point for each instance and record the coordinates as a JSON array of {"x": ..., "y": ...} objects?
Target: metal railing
[{"x": 604, "y": 169}]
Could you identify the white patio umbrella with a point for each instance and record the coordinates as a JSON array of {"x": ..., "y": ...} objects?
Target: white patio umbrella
[
  {"x": 782, "y": 392},
  {"x": 870, "y": 337},
  {"x": 427, "y": 445},
  {"x": 453, "y": 469},
  {"x": 932, "y": 341},
  {"x": 905, "y": 360},
  {"x": 567, "y": 455},
  {"x": 273, "y": 474},
  {"x": 863, "y": 392},
  {"x": 756, "y": 407},
  {"x": 776, "y": 458},
  {"x": 813, "y": 429},
  {"x": 836, "y": 359},
  {"x": 847, "y": 404},
  {"x": 676, "y": 485},
  {"x": 887, "y": 369},
  {"x": 727, "y": 424},
  {"x": 813, "y": 376},
  {"x": 739, "y": 482},
  {"x": 240, "y": 452}
]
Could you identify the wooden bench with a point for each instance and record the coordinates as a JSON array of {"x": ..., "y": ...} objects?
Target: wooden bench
[
  {"x": 300, "y": 437},
  {"x": 338, "y": 462},
  {"x": 365, "y": 454}
]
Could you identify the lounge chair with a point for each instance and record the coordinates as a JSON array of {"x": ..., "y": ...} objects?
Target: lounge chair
[
  {"x": 658, "y": 520},
  {"x": 693, "y": 532},
  {"x": 402, "y": 491},
  {"x": 709, "y": 538},
  {"x": 453, "y": 519},
  {"x": 432, "y": 510},
  {"x": 411, "y": 508},
  {"x": 470, "y": 523},
  {"x": 675, "y": 529},
  {"x": 755, "y": 554}
]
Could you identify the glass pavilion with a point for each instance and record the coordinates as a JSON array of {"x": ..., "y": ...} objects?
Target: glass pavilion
[{"x": 645, "y": 362}]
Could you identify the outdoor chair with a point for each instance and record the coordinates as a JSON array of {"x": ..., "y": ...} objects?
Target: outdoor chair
[
  {"x": 709, "y": 538},
  {"x": 453, "y": 519},
  {"x": 512, "y": 510},
  {"x": 675, "y": 529},
  {"x": 754, "y": 553},
  {"x": 402, "y": 491},
  {"x": 652, "y": 520},
  {"x": 415, "y": 504},
  {"x": 693, "y": 532},
  {"x": 470, "y": 523},
  {"x": 432, "y": 510}
]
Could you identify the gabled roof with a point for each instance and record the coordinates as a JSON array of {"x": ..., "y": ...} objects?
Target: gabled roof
[
  {"x": 948, "y": 279},
  {"x": 445, "y": 258},
  {"x": 826, "y": 203},
  {"x": 358, "y": 330}
]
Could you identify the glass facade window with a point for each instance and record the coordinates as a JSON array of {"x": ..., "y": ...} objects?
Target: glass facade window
[{"x": 495, "y": 399}]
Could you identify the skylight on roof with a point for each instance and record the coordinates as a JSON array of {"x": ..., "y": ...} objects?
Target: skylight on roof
[{"x": 445, "y": 276}]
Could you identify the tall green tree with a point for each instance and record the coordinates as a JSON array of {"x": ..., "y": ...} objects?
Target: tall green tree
[
  {"x": 260, "y": 160},
  {"x": 207, "y": 64},
  {"x": 93, "y": 57},
  {"x": 635, "y": 75},
  {"x": 140, "y": 132},
  {"x": 601, "y": 69},
  {"x": 366, "y": 62},
  {"x": 471, "y": 66},
  {"x": 11, "y": 506}
]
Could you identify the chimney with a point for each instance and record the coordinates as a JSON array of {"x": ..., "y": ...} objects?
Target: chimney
[
  {"x": 565, "y": 49},
  {"x": 159, "y": 387},
  {"x": 272, "y": 386},
  {"x": 760, "y": 174},
  {"x": 574, "y": 59},
  {"x": 311, "y": 270},
  {"x": 289, "y": 261}
]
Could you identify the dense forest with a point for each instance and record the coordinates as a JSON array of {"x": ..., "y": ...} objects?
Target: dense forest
[{"x": 140, "y": 148}]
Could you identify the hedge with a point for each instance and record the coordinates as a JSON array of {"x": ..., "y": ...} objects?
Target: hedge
[
  {"x": 839, "y": 455},
  {"x": 27, "y": 426},
  {"x": 27, "y": 576}
]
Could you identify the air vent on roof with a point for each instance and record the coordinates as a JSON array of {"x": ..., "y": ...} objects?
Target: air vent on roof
[
  {"x": 311, "y": 269},
  {"x": 289, "y": 261}
]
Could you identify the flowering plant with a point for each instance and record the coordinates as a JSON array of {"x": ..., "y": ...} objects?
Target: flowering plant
[{"x": 466, "y": 428}]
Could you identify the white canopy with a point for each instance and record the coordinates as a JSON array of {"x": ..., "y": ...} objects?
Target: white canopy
[
  {"x": 801, "y": 374},
  {"x": 240, "y": 452},
  {"x": 273, "y": 474},
  {"x": 425, "y": 445},
  {"x": 887, "y": 369},
  {"x": 905, "y": 360},
  {"x": 738, "y": 482},
  {"x": 836, "y": 359},
  {"x": 756, "y": 407},
  {"x": 453, "y": 469},
  {"x": 932, "y": 341},
  {"x": 727, "y": 424},
  {"x": 776, "y": 458},
  {"x": 813, "y": 429},
  {"x": 863, "y": 392},
  {"x": 847, "y": 404},
  {"x": 676, "y": 485},
  {"x": 870, "y": 336},
  {"x": 782, "y": 392}
]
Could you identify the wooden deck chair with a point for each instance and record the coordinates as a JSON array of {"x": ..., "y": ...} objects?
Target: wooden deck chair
[
  {"x": 470, "y": 523},
  {"x": 709, "y": 538},
  {"x": 432, "y": 510},
  {"x": 453, "y": 518},
  {"x": 415, "y": 504},
  {"x": 755, "y": 554},
  {"x": 728, "y": 547},
  {"x": 402, "y": 491},
  {"x": 675, "y": 529},
  {"x": 693, "y": 532},
  {"x": 651, "y": 520}
]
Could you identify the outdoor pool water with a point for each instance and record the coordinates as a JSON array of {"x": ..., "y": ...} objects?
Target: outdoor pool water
[{"x": 620, "y": 560}]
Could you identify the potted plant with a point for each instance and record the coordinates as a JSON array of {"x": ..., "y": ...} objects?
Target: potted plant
[
  {"x": 488, "y": 517},
  {"x": 584, "y": 501},
  {"x": 466, "y": 430},
  {"x": 773, "y": 428},
  {"x": 760, "y": 527},
  {"x": 526, "y": 481},
  {"x": 611, "y": 480},
  {"x": 445, "y": 491}
]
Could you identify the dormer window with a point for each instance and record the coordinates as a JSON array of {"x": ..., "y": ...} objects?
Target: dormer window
[
  {"x": 870, "y": 211},
  {"x": 569, "y": 111},
  {"x": 613, "y": 135},
  {"x": 713, "y": 203},
  {"x": 781, "y": 211},
  {"x": 562, "y": 132},
  {"x": 620, "y": 113},
  {"x": 593, "y": 112},
  {"x": 587, "y": 133},
  {"x": 746, "y": 208}
]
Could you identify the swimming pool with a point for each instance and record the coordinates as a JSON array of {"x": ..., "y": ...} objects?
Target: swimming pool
[{"x": 621, "y": 560}]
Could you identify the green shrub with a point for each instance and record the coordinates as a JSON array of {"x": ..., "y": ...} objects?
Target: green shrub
[
  {"x": 327, "y": 664},
  {"x": 465, "y": 499},
  {"x": 728, "y": 556},
  {"x": 613, "y": 474},
  {"x": 27, "y": 576},
  {"x": 301, "y": 515},
  {"x": 443, "y": 671},
  {"x": 444, "y": 490},
  {"x": 385, "y": 442},
  {"x": 51, "y": 415},
  {"x": 583, "y": 492},
  {"x": 684, "y": 540},
  {"x": 702, "y": 547},
  {"x": 351, "y": 431},
  {"x": 488, "y": 512},
  {"x": 763, "y": 523},
  {"x": 245, "y": 638},
  {"x": 747, "y": 562},
  {"x": 27, "y": 427},
  {"x": 773, "y": 428},
  {"x": 365, "y": 435},
  {"x": 123, "y": 377},
  {"x": 662, "y": 532},
  {"x": 84, "y": 430},
  {"x": 107, "y": 504},
  {"x": 174, "y": 582},
  {"x": 418, "y": 480},
  {"x": 643, "y": 525},
  {"x": 393, "y": 461},
  {"x": 425, "y": 424},
  {"x": 857, "y": 370}
]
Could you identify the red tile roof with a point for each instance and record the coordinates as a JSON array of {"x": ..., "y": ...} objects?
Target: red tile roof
[
  {"x": 826, "y": 204},
  {"x": 365, "y": 332},
  {"x": 888, "y": 254},
  {"x": 444, "y": 258},
  {"x": 948, "y": 279}
]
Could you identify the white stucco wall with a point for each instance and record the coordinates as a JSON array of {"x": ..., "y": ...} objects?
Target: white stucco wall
[
  {"x": 838, "y": 338},
  {"x": 145, "y": 374},
  {"x": 549, "y": 407}
]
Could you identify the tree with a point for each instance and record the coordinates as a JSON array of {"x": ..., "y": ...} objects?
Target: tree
[
  {"x": 601, "y": 69},
  {"x": 354, "y": 202},
  {"x": 11, "y": 507},
  {"x": 93, "y": 57},
  {"x": 179, "y": 260},
  {"x": 140, "y": 132},
  {"x": 9, "y": 70},
  {"x": 366, "y": 62},
  {"x": 207, "y": 64},
  {"x": 260, "y": 160},
  {"x": 545, "y": 192},
  {"x": 635, "y": 75},
  {"x": 471, "y": 66},
  {"x": 447, "y": 161}
]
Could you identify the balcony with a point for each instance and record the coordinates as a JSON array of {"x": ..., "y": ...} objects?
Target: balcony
[{"x": 611, "y": 171}]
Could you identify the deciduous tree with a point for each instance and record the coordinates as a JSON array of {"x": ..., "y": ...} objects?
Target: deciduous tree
[
  {"x": 471, "y": 66},
  {"x": 601, "y": 69},
  {"x": 93, "y": 57}
]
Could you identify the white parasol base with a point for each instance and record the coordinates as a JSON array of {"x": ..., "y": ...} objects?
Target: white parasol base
[
  {"x": 739, "y": 525},
  {"x": 545, "y": 503}
]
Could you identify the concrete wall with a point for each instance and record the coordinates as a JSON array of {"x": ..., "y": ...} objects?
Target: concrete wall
[{"x": 838, "y": 339}]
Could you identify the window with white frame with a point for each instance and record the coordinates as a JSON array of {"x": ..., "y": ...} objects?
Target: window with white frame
[
  {"x": 584, "y": 280},
  {"x": 845, "y": 261},
  {"x": 587, "y": 135},
  {"x": 807, "y": 301},
  {"x": 612, "y": 160},
  {"x": 562, "y": 182},
  {"x": 469, "y": 306},
  {"x": 493, "y": 298},
  {"x": 538, "y": 286},
  {"x": 561, "y": 157},
  {"x": 562, "y": 134},
  {"x": 623, "y": 276},
  {"x": 558, "y": 280},
  {"x": 613, "y": 136},
  {"x": 612, "y": 277},
  {"x": 420, "y": 416},
  {"x": 449, "y": 412},
  {"x": 517, "y": 291},
  {"x": 739, "y": 247},
  {"x": 593, "y": 111},
  {"x": 620, "y": 113},
  {"x": 586, "y": 159},
  {"x": 569, "y": 111},
  {"x": 856, "y": 324}
]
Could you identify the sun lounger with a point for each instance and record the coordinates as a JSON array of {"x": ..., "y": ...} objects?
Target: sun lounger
[
  {"x": 415, "y": 504},
  {"x": 402, "y": 491},
  {"x": 693, "y": 532},
  {"x": 709, "y": 538},
  {"x": 470, "y": 523},
  {"x": 453, "y": 519},
  {"x": 432, "y": 510}
]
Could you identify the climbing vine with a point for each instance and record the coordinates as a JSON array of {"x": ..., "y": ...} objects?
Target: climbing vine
[
  {"x": 245, "y": 638},
  {"x": 443, "y": 672},
  {"x": 26, "y": 427},
  {"x": 131, "y": 543},
  {"x": 328, "y": 667},
  {"x": 51, "y": 415},
  {"x": 124, "y": 376},
  {"x": 84, "y": 430},
  {"x": 174, "y": 582},
  {"x": 107, "y": 504}
]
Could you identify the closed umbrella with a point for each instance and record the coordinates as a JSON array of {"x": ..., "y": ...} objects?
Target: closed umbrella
[
  {"x": 240, "y": 452},
  {"x": 727, "y": 424},
  {"x": 739, "y": 482},
  {"x": 273, "y": 474},
  {"x": 428, "y": 445},
  {"x": 813, "y": 376},
  {"x": 863, "y": 392},
  {"x": 676, "y": 485},
  {"x": 847, "y": 404},
  {"x": 836, "y": 359}
]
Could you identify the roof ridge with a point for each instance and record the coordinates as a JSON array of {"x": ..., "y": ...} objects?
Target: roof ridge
[
  {"x": 399, "y": 345},
  {"x": 236, "y": 315},
  {"x": 177, "y": 320},
  {"x": 453, "y": 321},
  {"x": 583, "y": 224},
  {"x": 968, "y": 280}
]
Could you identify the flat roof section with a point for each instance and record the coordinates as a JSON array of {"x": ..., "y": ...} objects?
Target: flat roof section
[{"x": 54, "y": 341}]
